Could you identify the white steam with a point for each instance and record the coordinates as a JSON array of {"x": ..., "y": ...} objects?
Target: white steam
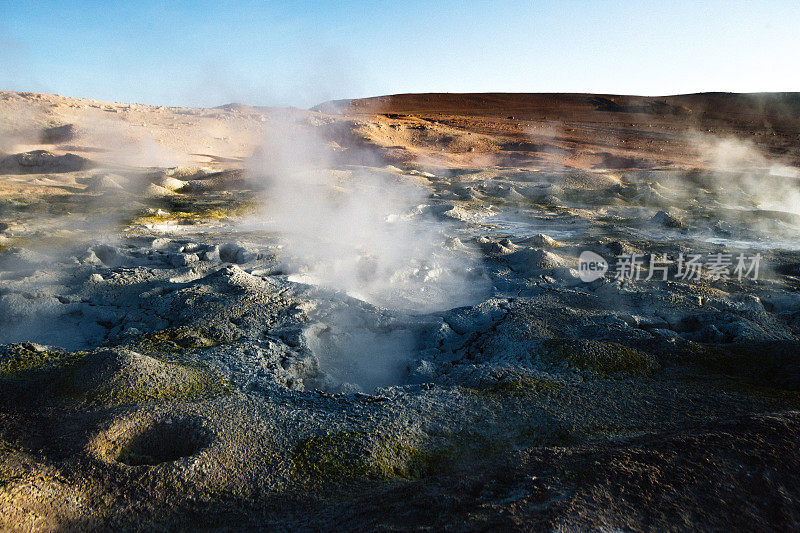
[
  {"x": 744, "y": 176},
  {"x": 123, "y": 143},
  {"x": 365, "y": 231},
  {"x": 368, "y": 232}
]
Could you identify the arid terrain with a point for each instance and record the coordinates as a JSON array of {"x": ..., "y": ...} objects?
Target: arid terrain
[{"x": 373, "y": 315}]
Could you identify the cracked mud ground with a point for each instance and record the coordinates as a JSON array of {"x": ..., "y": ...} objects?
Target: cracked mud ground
[{"x": 162, "y": 368}]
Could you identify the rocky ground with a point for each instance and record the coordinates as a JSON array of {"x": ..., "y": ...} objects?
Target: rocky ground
[{"x": 164, "y": 365}]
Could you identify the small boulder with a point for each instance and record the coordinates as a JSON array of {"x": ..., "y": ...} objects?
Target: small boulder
[{"x": 182, "y": 260}]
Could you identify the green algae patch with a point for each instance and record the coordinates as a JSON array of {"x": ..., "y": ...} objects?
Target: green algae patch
[
  {"x": 608, "y": 359},
  {"x": 26, "y": 359},
  {"x": 615, "y": 358},
  {"x": 178, "y": 340},
  {"x": 520, "y": 386},
  {"x": 358, "y": 455}
]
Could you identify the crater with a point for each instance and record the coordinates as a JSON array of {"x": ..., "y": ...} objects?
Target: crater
[{"x": 164, "y": 442}]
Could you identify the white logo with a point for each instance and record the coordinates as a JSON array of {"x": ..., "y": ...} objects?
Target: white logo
[{"x": 591, "y": 266}]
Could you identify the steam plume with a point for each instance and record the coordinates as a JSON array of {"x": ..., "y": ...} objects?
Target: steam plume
[{"x": 369, "y": 233}]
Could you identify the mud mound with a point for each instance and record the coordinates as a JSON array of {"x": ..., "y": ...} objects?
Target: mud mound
[
  {"x": 157, "y": 191},
  {"x": 115, "y": 376},
  {"x": 532, "y": 261},
  {"x": 105, "y": 183},
  {"x": 540, "y": 239},
  {"x": 42, "y": 161},
  {"x": 356, "y": 455},
  {"x": 662, "y": 218}
]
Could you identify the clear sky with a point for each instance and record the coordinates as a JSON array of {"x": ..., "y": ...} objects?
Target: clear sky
[{"x": 302, "y": 53}]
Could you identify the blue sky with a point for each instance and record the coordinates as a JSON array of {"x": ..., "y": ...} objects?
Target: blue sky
[{"x": 302, "y": 53}]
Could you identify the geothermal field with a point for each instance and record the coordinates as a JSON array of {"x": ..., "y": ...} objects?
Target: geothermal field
[{"x": 426, "y": 311}]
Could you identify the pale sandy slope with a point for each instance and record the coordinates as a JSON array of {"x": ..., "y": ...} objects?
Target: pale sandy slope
[
  {"x": 451, "y": 131},
  {"x": 131, "y": 134}
]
